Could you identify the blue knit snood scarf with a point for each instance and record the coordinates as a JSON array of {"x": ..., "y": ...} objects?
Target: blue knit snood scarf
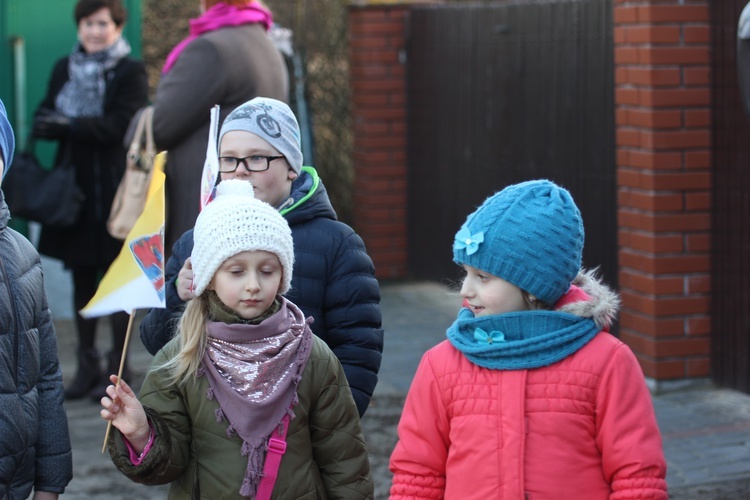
[{"x": 520, "y": 340}]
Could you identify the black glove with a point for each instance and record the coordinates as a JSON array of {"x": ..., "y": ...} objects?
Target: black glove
[{"x": 49, "y": 124}]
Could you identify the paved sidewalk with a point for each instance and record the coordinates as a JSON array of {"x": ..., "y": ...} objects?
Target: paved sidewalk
[
  {"x": 706, "y": 430},
  {"x": 706, "y": 435}
]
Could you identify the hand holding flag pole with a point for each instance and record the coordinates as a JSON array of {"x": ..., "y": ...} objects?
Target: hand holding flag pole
[
  {"x": 119, "y": 371},
  {"x": 136, "y": 277}
]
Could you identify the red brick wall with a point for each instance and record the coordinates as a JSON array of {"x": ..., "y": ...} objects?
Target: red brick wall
[
  {"x": 662, "y": 59},
  {"x": 378, "y": 80}
]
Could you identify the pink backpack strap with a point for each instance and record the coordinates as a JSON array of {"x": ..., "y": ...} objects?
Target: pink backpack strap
[{"x": 276, "y": 449}]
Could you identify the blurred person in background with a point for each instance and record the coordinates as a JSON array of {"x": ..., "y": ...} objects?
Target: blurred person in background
[
  {"x": 227, "y": 59},
  {"x": 92, "y": 95}
]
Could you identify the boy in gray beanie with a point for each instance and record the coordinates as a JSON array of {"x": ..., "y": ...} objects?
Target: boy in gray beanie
[
  {"x": 272, "y": 121},
  {"x": 334, "y": 278},
  {"x": 36, "y": 450},
  {"x": 529, "y": 395}
]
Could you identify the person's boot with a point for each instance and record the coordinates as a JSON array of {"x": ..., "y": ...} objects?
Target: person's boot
[
  {"x": 113, "y": 367},
  {"x": 87, "y": 376}
]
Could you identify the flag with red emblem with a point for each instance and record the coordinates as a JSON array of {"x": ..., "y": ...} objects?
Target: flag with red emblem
[{"x": 135, "y": 280}]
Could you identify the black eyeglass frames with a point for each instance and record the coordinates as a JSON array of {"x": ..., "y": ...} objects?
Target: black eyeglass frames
[{"x": 253, "y": 163}]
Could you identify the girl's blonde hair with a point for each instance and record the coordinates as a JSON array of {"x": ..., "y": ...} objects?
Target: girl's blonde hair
[{"x": 191, "y": 329}]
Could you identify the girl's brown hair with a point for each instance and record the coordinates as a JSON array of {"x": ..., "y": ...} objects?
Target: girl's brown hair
[
  {"x": 533, "y": 303},
  {"x": 84, "y": 8}
]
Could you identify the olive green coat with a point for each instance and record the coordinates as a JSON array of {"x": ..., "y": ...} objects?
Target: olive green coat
[{"x": 326, "y": 457}]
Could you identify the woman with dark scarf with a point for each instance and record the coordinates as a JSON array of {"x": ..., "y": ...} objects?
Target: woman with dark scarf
[
  {"x": 245, "y": 377},
  {"x": 92, "y": 95},
  {"x": 227, "y": 59}
]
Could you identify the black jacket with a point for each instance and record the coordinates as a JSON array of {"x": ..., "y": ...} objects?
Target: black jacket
[
  {"x": 98, "y": 154},
  {"x": 35, "y": 445},
  {"x": 333, "y": 281}
]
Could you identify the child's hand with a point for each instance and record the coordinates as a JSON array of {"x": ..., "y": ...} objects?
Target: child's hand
[
  {"x": 185, "y": 281},
  {"x": 126, "y": 413}
]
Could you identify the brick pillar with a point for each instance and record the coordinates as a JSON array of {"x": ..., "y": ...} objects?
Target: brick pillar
[
  {"x": 662, "y": 60},
  {"x": 378, "y": 80}
]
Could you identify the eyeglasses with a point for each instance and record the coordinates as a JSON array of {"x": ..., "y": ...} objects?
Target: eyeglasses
[{"x": 253, "y": 163}]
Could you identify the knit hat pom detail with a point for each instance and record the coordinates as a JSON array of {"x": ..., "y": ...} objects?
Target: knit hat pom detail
[{"x": 235, "y": 187}]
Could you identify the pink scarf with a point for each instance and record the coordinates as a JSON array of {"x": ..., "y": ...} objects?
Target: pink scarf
[
  {"x": 219, "y": 16},
  {"x": 253, "y": 372}
]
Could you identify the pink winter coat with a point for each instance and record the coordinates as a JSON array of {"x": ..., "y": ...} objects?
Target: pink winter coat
[{"x": 581, "y": 428}]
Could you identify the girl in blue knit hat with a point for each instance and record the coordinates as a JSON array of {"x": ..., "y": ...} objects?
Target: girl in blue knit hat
[{"x": 530, "y": 397}]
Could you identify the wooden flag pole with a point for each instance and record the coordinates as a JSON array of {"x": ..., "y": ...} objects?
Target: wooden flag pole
[{"x": 119, "y": 372}]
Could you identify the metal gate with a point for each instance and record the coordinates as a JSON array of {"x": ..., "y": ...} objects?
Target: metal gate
[
  {"x": 730, "y": 305},
  {"x": 503, "y": 93}
]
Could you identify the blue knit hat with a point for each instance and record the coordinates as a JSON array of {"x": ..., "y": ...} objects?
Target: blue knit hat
[
  {"x": 272, "y": 121},
  {"x": 7, "y": 139},
  {"x": 529, "y": 234}
]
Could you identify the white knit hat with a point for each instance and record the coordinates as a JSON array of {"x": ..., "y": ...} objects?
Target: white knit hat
[{"x": 235, "y": 221}]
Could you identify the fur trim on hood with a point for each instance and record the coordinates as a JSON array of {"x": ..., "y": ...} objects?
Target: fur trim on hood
[{"x": 598, "y": 302}]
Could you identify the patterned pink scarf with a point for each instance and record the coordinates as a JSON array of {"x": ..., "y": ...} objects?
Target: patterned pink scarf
[
  {"x": 219, "y": 16},
  {"x": 253, "y": 372}
]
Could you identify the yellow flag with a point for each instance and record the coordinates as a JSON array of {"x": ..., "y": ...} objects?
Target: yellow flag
[{"x": 135, "y": 279}]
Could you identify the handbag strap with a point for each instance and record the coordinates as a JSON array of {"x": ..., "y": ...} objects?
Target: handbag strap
[
  {"x": 143, "y": 130},
  {"x": 150, "y": 146},
  {"x": 276, "y": 449}
]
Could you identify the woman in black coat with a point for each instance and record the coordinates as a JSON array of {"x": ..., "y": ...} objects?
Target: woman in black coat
[{"x": 92, "y": 95}]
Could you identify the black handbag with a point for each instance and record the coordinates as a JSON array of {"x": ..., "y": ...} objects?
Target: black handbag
[{"x": 48, "y": 196}]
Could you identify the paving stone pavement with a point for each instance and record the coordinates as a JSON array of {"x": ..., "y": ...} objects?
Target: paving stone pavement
[
  {"x": 706, "y": 434},
  {"x": 705, "y": 430}
]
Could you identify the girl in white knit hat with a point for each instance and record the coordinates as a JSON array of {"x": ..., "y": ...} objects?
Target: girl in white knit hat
[{"x": 244, "y": 377}]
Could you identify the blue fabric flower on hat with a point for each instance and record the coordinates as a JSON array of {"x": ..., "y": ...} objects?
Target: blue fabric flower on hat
[
  {"x": 489, "y": 338},
  {"x": 468, "y": 241}
]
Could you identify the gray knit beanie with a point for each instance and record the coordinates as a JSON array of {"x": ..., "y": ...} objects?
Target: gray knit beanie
[
  {"x": 529, "y": 234},
  {"x": 235, "y": 221},
  {"x": 272, "y": 121}
]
